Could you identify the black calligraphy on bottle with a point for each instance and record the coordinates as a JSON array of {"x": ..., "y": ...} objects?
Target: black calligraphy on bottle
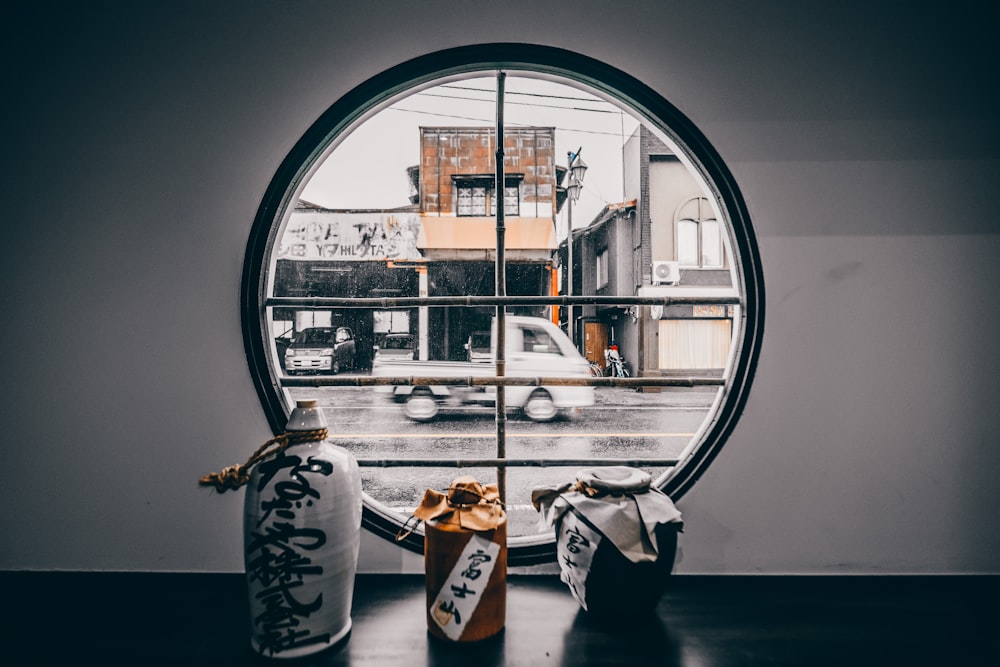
[{"x": 278, "y": 552}]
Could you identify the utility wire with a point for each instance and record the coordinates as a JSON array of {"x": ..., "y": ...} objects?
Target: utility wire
[
  {"x": 484, "y": 120},
  {"x": 509, "y": 92},
  {"x": 524, "y": 104}
]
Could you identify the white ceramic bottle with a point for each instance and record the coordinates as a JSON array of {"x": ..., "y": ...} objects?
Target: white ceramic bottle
[{"x": 301, "y": 532}]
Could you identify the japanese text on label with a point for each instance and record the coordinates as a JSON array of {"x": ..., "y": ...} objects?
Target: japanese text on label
[
  {"x": 575, "y": 547},
  {"x": 462, "y": 591}
]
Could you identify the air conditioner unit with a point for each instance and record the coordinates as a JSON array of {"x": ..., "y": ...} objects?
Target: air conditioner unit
[{"x": 666, "y": 273}]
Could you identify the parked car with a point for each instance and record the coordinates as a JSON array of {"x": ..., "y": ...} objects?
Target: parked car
[
  {"x": 396, "y": 346},
  {"x": 321, "y": 350},
  {"x": 281, "y": 344},
  {"x": 478, "y": 347}
]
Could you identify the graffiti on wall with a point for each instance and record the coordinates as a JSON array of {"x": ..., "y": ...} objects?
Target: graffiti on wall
[{"x": 350, "y": 236}]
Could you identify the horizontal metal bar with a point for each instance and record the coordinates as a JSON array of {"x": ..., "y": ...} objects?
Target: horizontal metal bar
[
  {"x": 494, "y": 381},
  {"x": 514, "y": 463},
  {"x": 324, "y": 302}
]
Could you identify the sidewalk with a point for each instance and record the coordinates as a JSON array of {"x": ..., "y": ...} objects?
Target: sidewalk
[{"x": 689, "y": 397}]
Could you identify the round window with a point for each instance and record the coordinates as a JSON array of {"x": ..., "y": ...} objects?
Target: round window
[{"x": 400, "y": 234}]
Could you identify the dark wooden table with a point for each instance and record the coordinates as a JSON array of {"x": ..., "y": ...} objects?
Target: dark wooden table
[{"x": 201, "y": 619}]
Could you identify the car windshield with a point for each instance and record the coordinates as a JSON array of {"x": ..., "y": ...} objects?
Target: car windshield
[
  {"x": 480, "y": 341},
  {"x": 314, "y": 337},
  {"x": 398, "y": 343}
]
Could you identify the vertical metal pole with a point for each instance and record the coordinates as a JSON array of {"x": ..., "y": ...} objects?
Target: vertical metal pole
[
  {"x": 501, "y": 290},
  {"x": 569, "y": 260},
  {"x": 422, "y": 312}
]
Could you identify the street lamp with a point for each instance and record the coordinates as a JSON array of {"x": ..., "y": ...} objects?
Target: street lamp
[{"x": 577, "y": 169}]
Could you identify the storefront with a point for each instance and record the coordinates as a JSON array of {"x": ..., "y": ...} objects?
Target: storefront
[
  {"x": 368, "y": 254},
  {"x": 348, "y": 254}
]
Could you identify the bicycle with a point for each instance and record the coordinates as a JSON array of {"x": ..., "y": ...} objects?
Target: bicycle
[{"x": 616, "y": 365}]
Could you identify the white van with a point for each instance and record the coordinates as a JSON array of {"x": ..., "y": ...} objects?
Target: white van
[{"x": 535, "y": 347}]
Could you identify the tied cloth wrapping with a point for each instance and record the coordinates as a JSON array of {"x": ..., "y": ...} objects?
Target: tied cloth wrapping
[
  {"x": 468, "y": 504},
  {"x": 618, "y": 501}
]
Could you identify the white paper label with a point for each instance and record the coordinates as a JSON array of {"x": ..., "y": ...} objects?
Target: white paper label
[
  {"x": 457, "y": 601},
  {"x": 575, "y": 547}
]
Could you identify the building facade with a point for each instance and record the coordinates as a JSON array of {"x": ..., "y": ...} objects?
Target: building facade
[
  {"x": 664, "y": 241},
  {"x": 458, "y": 199},
  {"x": 444, "y": 244},
  {"x": 337, "y": 253}
]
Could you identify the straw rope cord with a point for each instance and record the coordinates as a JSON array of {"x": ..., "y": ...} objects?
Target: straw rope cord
[
  {"x": 235, "y": 476},
  {"x": 591, "y": 492},
  {"x": 451, "y": 495}
]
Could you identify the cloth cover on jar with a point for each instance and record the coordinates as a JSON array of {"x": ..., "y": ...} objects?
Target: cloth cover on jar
[{"x": 618, "y": 501}]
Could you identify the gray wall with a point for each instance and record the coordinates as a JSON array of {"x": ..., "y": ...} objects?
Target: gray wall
[{"x": 137, "y": 143}]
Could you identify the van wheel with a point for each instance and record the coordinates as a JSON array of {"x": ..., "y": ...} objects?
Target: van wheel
[
  {"x": 540, "y": 407},
  {"x": 421, "y": 406}
]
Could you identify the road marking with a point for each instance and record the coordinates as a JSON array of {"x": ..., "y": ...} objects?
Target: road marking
[
  {"x": 589, "y": 408},
  {"x": 492, "y": 435}
]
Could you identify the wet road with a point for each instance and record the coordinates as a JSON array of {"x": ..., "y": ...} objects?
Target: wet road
[{"x": 622, "y": 424}]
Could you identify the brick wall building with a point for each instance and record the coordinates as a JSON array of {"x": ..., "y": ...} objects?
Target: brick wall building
[{"x": 456, "y": 186}]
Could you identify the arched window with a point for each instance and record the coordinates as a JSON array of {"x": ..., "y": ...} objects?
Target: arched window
[
  {"x": 413, "y": 280},
  {"x": 699, "y": 235}
]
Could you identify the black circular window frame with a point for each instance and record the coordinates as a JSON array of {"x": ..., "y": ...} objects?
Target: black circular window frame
[{"x": 479, "y": 59}]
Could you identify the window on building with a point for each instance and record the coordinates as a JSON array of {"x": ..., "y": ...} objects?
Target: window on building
[
  {"x": 478, "y": 198},
  {"x": 472, "y": 199},
  {"x": 511, "y": 202},
  {"x": 699, "y": 236},
  {"x": 335, "y": 244},
  {"x": 601, "y": 268},
  {"x": 391, "y": 321}
]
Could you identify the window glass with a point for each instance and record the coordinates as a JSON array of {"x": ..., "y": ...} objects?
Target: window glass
[
  {"x": 391, "y": 321},
  {"x": 535, "y": 340},
  {"x": 351, "y": 251},
  {"x": 510, "y": 202},
  {"x": 397, "y": 342},
  {"x": 602, "y": 268},
  {"x": 465, "y": 201},
  {"x": 711, "y": 244},
  {"x": 700, "y": 240},
  {"x": 479, "y": 201},
  {"x": 687, "y": 242}
]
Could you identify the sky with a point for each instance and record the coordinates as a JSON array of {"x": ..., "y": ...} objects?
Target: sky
[{"x": 368, "y": 168}]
